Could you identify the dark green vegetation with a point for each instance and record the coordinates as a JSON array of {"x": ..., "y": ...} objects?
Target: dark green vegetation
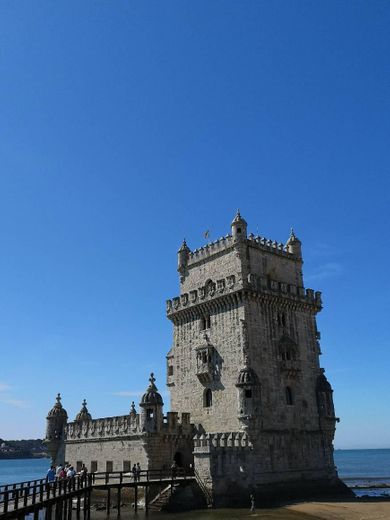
[{"x": 24, "y": 449}]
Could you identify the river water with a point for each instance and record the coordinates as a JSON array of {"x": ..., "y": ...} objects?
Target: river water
[{"x": 367, "y": 472}]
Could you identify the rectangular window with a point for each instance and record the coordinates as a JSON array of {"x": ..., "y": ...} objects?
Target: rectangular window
[
  {"x": 170, "y": 370},
  {"x": 248, "y": 393},
  {"x": 94, "y": 466},
  {"x": 126, "y": 466},
  {"x": 109, "y": 466},
  {"x": 79, "y": 463},
  {"x": 205, "y": 322}
]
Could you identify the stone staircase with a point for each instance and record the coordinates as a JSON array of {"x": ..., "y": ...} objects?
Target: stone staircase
[{"x": 161, "y": 501}]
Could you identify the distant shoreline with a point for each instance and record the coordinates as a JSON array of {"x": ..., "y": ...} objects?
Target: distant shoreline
[{"x": 24, "y": 457}]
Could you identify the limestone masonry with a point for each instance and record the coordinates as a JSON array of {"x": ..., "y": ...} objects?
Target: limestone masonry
[{"x": 253, "y": 410}]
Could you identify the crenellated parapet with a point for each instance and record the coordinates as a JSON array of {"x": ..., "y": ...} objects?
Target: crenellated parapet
[
  {"x": 227, "y": 242},
  {"x": 217, "y": 246},
  {"x": 208, "y": 442},
  {"x": 111, "y": 428},
  {"x": 107, "y": 427},
  {"x": 270, "y": 246},
  {"x": 261, "y": 286}
]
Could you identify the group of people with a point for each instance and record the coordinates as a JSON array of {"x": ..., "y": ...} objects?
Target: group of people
[
  {"x": 136, "y": 471},
  {"x": 64, "y": 472}
]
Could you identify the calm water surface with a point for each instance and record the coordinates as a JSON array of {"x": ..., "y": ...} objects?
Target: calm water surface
[{"x": 367, "y": 472}]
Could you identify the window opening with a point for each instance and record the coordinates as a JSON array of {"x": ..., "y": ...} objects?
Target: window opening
[
  {"x": 289, "y": 396},
  {"x": 208, "y": 398}
]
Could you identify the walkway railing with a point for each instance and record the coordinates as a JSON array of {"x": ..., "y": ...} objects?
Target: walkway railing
[
  {"x": 105, "y": 478},
  {"x": 22, "y": 498},
  {"x": 32, "y": 495}
]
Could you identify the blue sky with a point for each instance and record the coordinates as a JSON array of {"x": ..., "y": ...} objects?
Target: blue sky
[{"x": 126, "y": 126}]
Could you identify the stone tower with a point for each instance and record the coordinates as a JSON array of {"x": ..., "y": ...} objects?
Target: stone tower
[
  {"x": 55, "y": 426},
  {"x": 245, "y": 362}
]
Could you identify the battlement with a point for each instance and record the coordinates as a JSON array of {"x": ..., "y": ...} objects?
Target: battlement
[
  {"x": 206, "y": 442},
  {"x": 221, "y": 244},
  {"x": 227, "y": 242},
  {"x": 271, "y": 246},
  {"x": 118, "y": 426},
  {"x": 125, "y": 425},
  {"x": 176, "y": 423},
  {"x": 262, "y": 285}
]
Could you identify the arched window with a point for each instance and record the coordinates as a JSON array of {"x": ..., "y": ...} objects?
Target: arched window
[
  {"x": 289, "y": 396},
  {"x": 208, "y": 398}
]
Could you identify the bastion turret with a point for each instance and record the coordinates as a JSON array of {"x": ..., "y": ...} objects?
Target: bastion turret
[{"x": 55, "y": 427}]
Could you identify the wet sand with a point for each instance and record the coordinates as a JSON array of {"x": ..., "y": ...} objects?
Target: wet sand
[{"x": 359, "y": 510}]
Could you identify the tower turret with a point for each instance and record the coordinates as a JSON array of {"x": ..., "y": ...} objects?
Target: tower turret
[
  {"x": 134, "y": 417},
  {"x": 151, "y": 405},
  {"x": 83, "y": 414},
  {"x": 55, "y": 424},
  {"x": 294, "y": 245},
  {"x": 248, "y": 386},
  {"x": 182, "y": 257},
  {"x": 239, "y": 227}
]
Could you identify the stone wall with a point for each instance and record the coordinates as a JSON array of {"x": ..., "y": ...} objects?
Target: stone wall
[{"x": 122, "y": 453}]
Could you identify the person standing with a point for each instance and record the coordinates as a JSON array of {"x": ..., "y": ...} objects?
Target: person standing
[
  {"x": 51, "y": 474},
  {"x": 134, "y": 472},
  {"x": 71, "y": 472},
  {"x": 138, "y": 471},
  {"x": 174, "y": 469},
  {"x": 252, "y": 499}
]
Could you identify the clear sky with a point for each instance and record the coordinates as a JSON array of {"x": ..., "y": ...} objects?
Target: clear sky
[{"x": 128, "y": 125}]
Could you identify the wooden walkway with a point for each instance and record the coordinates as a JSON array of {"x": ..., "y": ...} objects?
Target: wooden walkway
[{"x": 58, "y": 498}]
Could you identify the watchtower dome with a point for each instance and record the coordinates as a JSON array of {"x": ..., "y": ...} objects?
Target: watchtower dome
[{"x": 151, "y": 405}]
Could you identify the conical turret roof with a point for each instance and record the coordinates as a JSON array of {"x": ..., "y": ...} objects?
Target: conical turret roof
[
  {"x": 293, "y": 239},
  {"x": 57, "y": 410},
  {"x": 247, "y": 377},
  {"x": 184, "y": 246},
  {"x": 238, "y": 218},
  {"x": 83, "y": 414},
  {"x": 151, "y": 396}
]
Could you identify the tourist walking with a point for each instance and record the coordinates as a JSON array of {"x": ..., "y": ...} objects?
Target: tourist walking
[
  {"x": 252, "y": 499},
  {"x": 138, "y": 471},
  {"x": 51, "y": 474}
]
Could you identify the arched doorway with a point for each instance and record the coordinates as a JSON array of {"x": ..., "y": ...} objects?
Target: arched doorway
[{"x": 178, "y": 458}]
